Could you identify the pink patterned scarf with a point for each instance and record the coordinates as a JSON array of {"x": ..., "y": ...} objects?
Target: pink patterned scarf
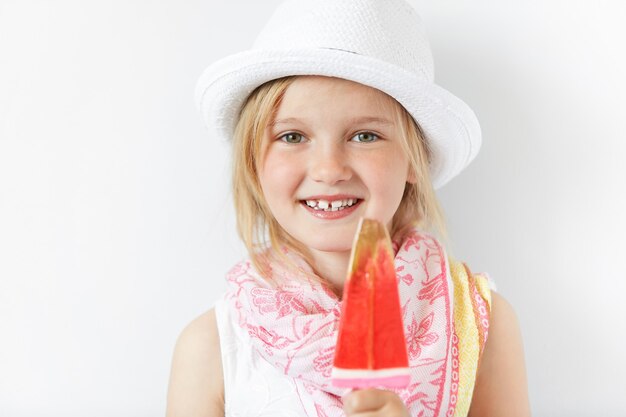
[{"x": 293, "y": 326}]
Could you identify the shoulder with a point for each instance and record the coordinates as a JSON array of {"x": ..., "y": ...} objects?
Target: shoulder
[
  {"x": 196, "y": 386},
  {"x": 501, "y": 387}
]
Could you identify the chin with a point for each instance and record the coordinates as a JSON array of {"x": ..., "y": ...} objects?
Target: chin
[
  {"x": 331, "y": 248},
  {"x": 329, "y": 244}
]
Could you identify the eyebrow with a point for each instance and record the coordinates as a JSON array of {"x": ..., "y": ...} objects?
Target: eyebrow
[{"x": 354, "y": 120}]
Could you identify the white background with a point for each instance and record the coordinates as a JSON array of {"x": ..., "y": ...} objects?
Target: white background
[{"x": 116, "y": 226}]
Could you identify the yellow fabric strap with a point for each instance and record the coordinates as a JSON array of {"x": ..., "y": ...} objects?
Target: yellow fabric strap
[{"x": 472, "y": 306}]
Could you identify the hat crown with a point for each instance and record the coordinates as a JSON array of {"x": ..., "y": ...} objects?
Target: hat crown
[{"x": 389, "y": 30}]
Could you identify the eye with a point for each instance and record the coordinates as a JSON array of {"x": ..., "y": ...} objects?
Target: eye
[
  {"x": 365, "y": 137},
  {"x": 292, "y": 137}
]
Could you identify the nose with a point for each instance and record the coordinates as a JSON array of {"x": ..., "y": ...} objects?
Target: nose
[{"x": 329, "y": 164}]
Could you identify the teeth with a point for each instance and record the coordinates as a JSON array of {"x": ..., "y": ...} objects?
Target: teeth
[{"x": 331, "y": 206}]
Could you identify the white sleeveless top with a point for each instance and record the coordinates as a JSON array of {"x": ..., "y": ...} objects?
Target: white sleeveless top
[{"x": 252, "y": 387}]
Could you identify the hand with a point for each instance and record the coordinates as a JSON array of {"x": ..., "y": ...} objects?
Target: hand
[{"x": 374, "y": 402}]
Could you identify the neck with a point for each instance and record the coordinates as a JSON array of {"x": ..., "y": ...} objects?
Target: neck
[{"x": 332, "y": 267}]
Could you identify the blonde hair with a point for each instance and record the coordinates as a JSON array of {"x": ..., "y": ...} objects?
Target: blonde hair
[{"x": 256, "y": 225}]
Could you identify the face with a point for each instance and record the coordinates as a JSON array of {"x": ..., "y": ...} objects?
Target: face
[{"x": 332, "y": 154}]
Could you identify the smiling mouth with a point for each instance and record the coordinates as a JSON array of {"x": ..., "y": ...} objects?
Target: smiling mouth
[{"x": 335, "y": 205}]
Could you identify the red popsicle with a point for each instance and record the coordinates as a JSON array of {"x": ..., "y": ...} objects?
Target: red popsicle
[{"x": 371, "y": 348}]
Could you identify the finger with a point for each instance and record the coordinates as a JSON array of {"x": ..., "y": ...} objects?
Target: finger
[
  {"x": 365, "y": 400},
  {"x": 364, "y": 414}
]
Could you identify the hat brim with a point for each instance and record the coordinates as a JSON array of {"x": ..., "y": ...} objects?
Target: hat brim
[{"x": 451, "y": 127}]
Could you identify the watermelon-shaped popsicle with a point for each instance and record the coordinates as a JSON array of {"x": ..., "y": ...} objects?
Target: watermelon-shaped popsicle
[{"x": 371, "y": 348}]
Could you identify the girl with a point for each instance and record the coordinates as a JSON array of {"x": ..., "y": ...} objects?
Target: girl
[{"x": 334, "y": 116}]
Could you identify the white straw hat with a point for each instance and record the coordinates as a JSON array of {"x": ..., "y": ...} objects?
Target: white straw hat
[{"x": 381, "y": 44}]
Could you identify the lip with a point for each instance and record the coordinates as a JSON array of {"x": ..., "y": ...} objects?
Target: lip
[
  {"x": 331, "y": 215},
  {"x": 331, "y": 197}
]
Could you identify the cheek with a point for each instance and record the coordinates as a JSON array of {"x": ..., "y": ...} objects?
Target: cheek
[
  {"x": 387, "y": 182},
  {"x": 277, "y": 176},
  {"x": 390, "y": 172}
]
